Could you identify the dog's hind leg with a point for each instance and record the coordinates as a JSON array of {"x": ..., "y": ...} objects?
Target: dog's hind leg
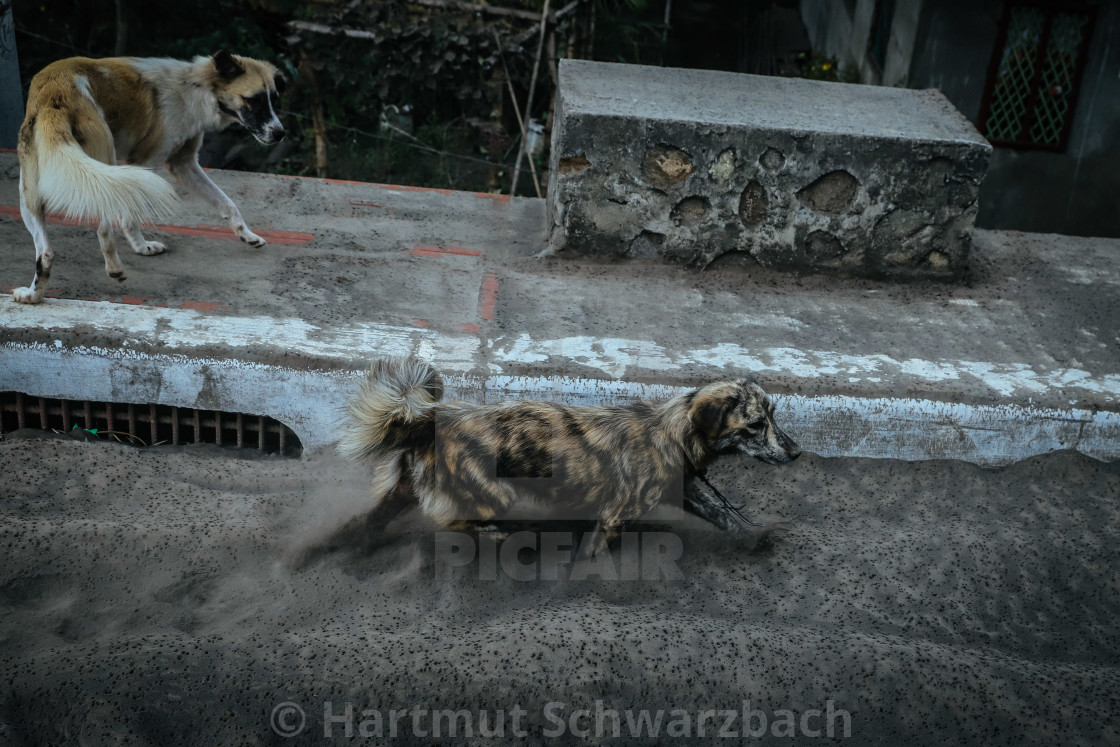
[
  {"x": 396, "y": 502},
  {"x": 625, "y": 508},
  {"x": 599, "y": 540},
  {"x": 392, "y": 491},
  {"x": 627, "y": 505},
  {"x": 97, "y": 141},
  {"x": 34, "y": 214},
  {"x": 113, "y": 266},
  {"x": 139, "y": 244},
  {"x": 368, "y": 531},
  {"x": 183, "y": 164},
  {"x": 365, "y": 532}
]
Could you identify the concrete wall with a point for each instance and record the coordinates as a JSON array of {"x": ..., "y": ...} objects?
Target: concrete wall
[
  {"x": 900, "y": 47},
  {"x": 11, "y": 95},
  {"x": 836, "y": 33},
  {"x": 950, "y": 44}
]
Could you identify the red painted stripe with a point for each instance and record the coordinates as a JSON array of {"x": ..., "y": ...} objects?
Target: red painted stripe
[
  {"x": 470, "y": 327},
  {"x": 489, "y": 297},
  {"x": 320, "y": 179},
  {"x": 436, "y": 251},
  {"x": 439, "y": 191},
  {"x": 209, "y": 232},
  {"x": 51, "y": 292},
  {"x": 134, "y": 300},
  {"x": 224, "y": 232},
  {"x": 421, "y": 322},
  {"x": 400, "y": 187},
  {"x": 203, "y": 306},
  {"x": 463, "y": 252},
  {"x": 408, "y": 188}
]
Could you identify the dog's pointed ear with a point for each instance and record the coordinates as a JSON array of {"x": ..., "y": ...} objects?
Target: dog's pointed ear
[
  {"x": 708, "y": 413},
  {"x": 226, "y": 65}
]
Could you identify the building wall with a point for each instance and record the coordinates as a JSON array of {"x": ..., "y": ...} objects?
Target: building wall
[
  {"x": 838, "y": 31},
  {"x": 11, "y": 96},
  {"x": 948, "y": 44}
]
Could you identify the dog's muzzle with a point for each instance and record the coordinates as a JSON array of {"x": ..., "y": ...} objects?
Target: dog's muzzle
[
  {"x": 789, "y": 448},
  {"x": 785, "y": 450},
  {"x": 270, "y": 135}
]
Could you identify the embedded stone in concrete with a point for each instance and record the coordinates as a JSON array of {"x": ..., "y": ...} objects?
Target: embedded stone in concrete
[
  {"x": 646, "y": 245},
  {"x": 724, "y": 167},
  {"x": 691, "y": 211},
  {"x": 772, "y": 159},
  {"x": 665, "y": 167},
  {"x": 800, "y": 174},
  {"x": 824, "y": 248},
  {"x": 752, "y": 204},
  {"x": 832, "y": 194},
  {"x": 573, "y": 164}
]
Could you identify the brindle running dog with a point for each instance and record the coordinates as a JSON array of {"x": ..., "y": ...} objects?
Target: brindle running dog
[{"x": 463, "y": 463}]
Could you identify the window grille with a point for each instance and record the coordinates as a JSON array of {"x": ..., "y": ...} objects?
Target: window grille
[{"x": 1035, "y": 74}]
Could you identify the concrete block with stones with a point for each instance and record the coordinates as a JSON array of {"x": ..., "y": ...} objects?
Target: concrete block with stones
[{"x": 689, "y": 165}]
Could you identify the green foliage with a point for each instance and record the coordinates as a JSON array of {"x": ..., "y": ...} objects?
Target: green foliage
[
  {"x": 446, "y": 67},
  {"x": 439, "y": 64},
  {"x": 819, "y": 67},
  {"x": 629, "y": 31},
  {"x": 397, "y": 159},
  {"x": 48, "y": 30}
]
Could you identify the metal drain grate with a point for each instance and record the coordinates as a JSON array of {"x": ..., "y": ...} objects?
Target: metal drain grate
[{"x": 150, "y": 425}]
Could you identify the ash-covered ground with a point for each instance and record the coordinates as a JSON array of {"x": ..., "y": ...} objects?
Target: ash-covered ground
[{"x": 168, "y": 596}]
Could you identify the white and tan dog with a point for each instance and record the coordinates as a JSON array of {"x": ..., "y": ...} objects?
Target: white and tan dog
[{"x": 84, "y": 114}]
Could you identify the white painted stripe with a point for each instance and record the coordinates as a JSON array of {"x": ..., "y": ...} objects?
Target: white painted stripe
[
  {"x": 183, "y": 330},
  {"x": 310, "y": 402},
  {"x": 617, "y": 356}
]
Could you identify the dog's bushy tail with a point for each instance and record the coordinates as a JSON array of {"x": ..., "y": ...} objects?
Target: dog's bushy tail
[
  {"x": 393, "y": 408},
  {"x": 79, "y": 186}
]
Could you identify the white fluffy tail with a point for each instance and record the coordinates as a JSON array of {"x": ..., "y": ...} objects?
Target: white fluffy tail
[
  {"x": 393, "y": 408},
  {"x": 72, "y": 183}
]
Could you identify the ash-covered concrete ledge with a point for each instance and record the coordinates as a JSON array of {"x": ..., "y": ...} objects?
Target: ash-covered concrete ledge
[
  {"x": 311, "y": 402},
  {"x": 688, "y": 165},
  {"x": 145, "y": 355}
]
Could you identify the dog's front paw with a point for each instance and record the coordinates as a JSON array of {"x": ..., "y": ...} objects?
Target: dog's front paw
[
  {"x": 149, "y": 248},
  {"x": 26, "y": 295},
  {"x": 248, "y": 236}
]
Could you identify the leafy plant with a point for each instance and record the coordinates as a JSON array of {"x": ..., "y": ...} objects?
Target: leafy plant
[{"x": 819, "y": 67}]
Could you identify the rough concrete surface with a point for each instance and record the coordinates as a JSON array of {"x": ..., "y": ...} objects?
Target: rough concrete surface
[
  {"x": 689, "y": 165},
  {"x": 167, "y": 597},
  {"x": 1020, "y": 360}
]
